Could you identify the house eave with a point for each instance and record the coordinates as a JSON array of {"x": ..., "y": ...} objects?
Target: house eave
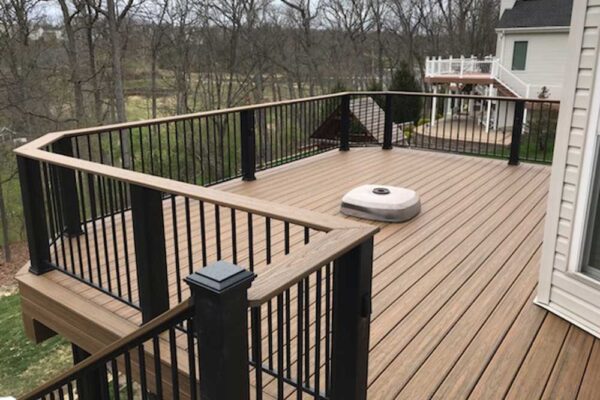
[{"x": 534, "y": 29}]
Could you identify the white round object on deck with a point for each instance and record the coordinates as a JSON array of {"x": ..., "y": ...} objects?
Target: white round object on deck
[{"x": 381, "y": 203}]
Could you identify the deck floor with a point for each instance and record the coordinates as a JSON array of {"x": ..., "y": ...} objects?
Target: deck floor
[{"x": 453, "y": 289}]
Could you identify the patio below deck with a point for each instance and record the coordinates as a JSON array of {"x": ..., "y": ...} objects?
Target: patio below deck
[{"x": 453, "y": 313}]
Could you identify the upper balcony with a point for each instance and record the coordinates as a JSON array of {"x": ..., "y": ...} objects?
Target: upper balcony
[
  {"x": 487, "y": 71},
  {"x": 118, "y": 216}
]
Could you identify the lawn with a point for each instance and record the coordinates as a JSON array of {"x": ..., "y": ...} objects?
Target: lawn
[{"x": 23, "y": 364}]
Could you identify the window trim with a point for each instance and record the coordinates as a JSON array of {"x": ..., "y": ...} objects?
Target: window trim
[
  {"x": 585, "y": 191},
  {"x": 590, "y": 215},
  {"x": 512, "y": 63}
]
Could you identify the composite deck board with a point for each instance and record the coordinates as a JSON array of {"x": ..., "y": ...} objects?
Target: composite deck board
[{"x": 452, "y": 289}]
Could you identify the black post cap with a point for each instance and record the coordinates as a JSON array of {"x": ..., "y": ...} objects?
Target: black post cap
[{"x": 220, "y": 277}]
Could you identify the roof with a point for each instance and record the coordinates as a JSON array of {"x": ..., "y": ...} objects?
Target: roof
[{"x": 537, "y": 13}]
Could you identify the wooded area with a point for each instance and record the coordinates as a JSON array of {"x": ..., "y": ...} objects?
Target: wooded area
[{"x": 76, "y": 63}]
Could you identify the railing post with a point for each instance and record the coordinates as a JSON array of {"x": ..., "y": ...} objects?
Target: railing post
[
  {"x": 67, "y": 190},
  {"x": 517, "y": 130},
  {"x": 388, "y": 123},
  {"x": 351, "y": 322},
  {"x": 93, "y": 385},
  {"x": 248, "y": 145},
  {"x": 32, "y": 195},
  {"x": 220, "y": 297},
  {"x": 150, "y": 252},
  {"x": 345, "y": 124}
]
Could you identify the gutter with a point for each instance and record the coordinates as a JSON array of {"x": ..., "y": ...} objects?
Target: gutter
[{"x": 535, "y": 29}]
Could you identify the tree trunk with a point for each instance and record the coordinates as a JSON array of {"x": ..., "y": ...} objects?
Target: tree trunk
[
  {"x": 91, "y": 48},
  {"x": 4, "y": 223},
  {"x": 71, "y": 48},
  {"x": 117, "y": 68},
  {"x": 153, "y": 72}
]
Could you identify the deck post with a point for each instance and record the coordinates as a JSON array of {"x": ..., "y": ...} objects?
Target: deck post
[
  {"x": 67, "y": 190},
  {"x": 352, "y": 276},
  {"x": 517, "y": 130},
  {"x": 248, "y": 145},
  {"x": 345, "y": 124},
  {"x": 150, "y": 252},
  {"x": 388, "y": 123},
  {"x": 32, "y": 195},
  {"x": 93, "y": 385},
  {"x": 220, "y": 297}
]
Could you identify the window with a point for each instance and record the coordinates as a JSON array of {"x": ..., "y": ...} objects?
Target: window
[
  {"x": 519, "y": 56},
  {"x": 591, "y": 261}
]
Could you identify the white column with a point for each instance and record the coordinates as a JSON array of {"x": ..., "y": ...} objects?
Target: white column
[
  {"x": 434, "y": 106},
  {"x": 527, "y": 94},
  {"x": 489, "y": 109}
]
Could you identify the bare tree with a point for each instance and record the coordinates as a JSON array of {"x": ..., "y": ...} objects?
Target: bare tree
[
  {"x": 69, "y": 14},
  {"x": 115, "y": 15},
  {"x": 8, "y": 173}
]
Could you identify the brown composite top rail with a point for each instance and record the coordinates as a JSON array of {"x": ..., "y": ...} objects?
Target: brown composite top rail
[{"x": 340, "y": 236}]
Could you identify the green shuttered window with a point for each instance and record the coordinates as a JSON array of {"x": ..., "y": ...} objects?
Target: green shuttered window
[{"x": 519, "y": 56}]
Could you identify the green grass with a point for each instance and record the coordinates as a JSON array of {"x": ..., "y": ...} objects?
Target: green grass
[{"x": 23, "y": 364}]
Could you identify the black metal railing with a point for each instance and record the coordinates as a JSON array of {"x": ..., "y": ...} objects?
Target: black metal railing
[
  {"x": 159, "y": 359},
  {"x": 209, "y": 148},
  {"x": 123, "y": 210},
  {"x": 95, "y": 223},
  {"x": 474, "y": 125},
  {"x": 312, "y": 342},
  {"x": 112, "y": 234}
]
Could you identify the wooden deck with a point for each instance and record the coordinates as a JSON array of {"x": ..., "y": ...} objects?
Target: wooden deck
[{"x": 453, "y": 315}]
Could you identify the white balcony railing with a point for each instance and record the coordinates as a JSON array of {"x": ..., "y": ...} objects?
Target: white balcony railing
[{"x": 489, "y": 67}]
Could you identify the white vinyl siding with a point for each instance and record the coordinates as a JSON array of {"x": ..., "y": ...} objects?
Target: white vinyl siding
[
  {"x": 562, "y": 288},
  {"x": 545, "y": 61}
]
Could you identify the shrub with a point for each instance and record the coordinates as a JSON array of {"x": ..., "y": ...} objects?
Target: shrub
[{"x": 405, "y": 108}]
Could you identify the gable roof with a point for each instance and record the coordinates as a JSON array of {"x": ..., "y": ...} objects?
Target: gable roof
[{"x": 537, "y": 13}]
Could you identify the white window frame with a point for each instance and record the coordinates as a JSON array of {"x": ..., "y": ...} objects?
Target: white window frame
[{"x": 590, "y": 153}]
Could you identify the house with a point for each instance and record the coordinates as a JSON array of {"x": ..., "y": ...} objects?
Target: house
[
  {"x": 533, "y": 45},
  {"x": 569, "y": 279},
  {"x": 531, "y": 54}
]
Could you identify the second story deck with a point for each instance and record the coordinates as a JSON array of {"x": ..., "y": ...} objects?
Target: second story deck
[{"x": 489, "y": 71}]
